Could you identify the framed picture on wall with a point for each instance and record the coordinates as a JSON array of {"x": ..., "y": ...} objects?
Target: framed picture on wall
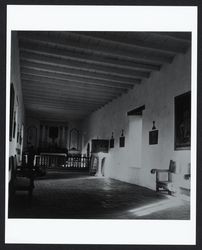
[
  {"x": 183, "y": 121},
  {"x": 153, "y": 137},
  {"x": 12, "y": 100},
  {"x": 14, "y": 124}
]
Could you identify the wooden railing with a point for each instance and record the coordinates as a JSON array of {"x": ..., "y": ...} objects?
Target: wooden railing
[
  {"x": 77, "y": 162},
  {"x": 62, "y": 161}
]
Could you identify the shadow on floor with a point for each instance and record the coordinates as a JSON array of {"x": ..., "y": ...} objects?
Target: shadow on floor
[
  {"x": 62, "y": 174},
  {"x": 73, "y": 195}
]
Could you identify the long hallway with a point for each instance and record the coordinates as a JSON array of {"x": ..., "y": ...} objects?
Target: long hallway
[{"x": 71, "y": 195}]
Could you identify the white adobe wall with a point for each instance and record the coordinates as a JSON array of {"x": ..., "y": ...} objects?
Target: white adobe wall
[{"x": 157, "y": 94}]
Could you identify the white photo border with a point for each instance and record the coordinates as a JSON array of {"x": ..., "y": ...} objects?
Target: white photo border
[{"x": 104, "y": 18}]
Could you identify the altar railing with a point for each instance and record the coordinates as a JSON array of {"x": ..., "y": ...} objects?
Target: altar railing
[{"x": 61, "y": 161}]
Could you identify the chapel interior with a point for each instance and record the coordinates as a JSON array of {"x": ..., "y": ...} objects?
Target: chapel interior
[{"x": 99, "y": 125}]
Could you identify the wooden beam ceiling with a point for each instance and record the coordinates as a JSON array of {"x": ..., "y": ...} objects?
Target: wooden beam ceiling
[
  {"x": 121, "y": 52},
  {"x": 91, "y": 77},
  {"x": 176, "y": 43},
  {"x": 68, "y": 75}
]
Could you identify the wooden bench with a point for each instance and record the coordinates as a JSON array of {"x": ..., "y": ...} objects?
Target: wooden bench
[{"x": 22, "y": 178}]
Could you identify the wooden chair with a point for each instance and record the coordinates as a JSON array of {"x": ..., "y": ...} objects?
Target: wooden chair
[
  {"x": 22, "y": 178},
  {"x": 93, "y": 165},
  {"x": 165, "y": 185}
]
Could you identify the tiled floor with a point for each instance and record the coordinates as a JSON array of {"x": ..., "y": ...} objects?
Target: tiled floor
[{"x": 79, "y": 196}]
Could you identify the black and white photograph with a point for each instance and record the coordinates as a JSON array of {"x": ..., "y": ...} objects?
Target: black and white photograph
[{"x": 101, "y": 127}]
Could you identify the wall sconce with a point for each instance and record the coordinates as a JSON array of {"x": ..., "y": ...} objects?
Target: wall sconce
[
  {"x": 154, "y": 127},
  {"x": 111, "y": 142},
  {"x": 153, "y": 135},
  {"x": 122, "y": 140}
]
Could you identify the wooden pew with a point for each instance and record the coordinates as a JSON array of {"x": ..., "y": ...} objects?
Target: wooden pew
[{"x": 22, "y": 178}]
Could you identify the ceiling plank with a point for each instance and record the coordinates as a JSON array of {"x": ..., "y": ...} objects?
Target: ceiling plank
[
  {"x": 99, "y": 76},
  {"x": 80, "y": 101},
  {"x": 92, "y": 75},
  {"x": 76, "y": 79},
  {"x": 88, "y": 69},
  {"x": 39, "y": 100},
  {"x": 131, "y": 39},
  {"x": 57, "y": 111},
  {"x": 57, "y": 91},
  {"x": 68, "y": 82},
  {"x": 33, "y": 98},
  {"x": 96, "y": 61},
  {"x": 67, "y": 96},
  {"x": 68, "y": 75},
  {"x": 65, "y": 65},
  {"x": 50, "y": 83},
  {"x": 35, "y": 40},
  {"x": 66, "y": 108}
]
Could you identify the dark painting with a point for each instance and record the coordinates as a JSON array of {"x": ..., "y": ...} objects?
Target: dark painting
[
  {"x": 153, "y": 137},
  {"x": 100, "y": 145},
  {"x": 12, "y": 99},
  {"x": 122, "y": 142},
  {"x": 183, "y": 121}
]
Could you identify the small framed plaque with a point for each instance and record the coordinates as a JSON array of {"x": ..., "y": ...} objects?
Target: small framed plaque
[
  {"x": 122, "y": 141},
  {"x": 153, "y": 137}
]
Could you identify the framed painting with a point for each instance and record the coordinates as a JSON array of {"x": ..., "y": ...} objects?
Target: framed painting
[
  {"x": 153, "y": 137},
  {"x": 122, "y": 142},
  {"x": 183, "y": 121},
  {"x": 12, "y": 100}
]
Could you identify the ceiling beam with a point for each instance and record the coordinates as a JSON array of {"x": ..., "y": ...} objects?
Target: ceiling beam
[
  {"x": 66, "y": 108},
  {"x": 33, "y": 98},
  {"x": 133, "y": 40},
  {"x": 97, "y": 62},
  {"x": 125, "y": 53},
  {"x": 99, "y": 76},
  {"x": 51, "y": 93},
  {"x": 66, "y": 82},
  {"x": 60, "y": 107},
  {"x": 58, "y": 91},
  {"x": 69, "y": 64},
  {"x": 59, "y": 103},
  {"x": 56, "y": 112},
  {"x": 67, "y": 96},
  {"x": 76, "y": 79},
  {"x": 80, "y": 100},
  {"x": 92, "y": 75},
  {"x": 50, "y": 83},
  {"x": 84, "y": 69}
]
